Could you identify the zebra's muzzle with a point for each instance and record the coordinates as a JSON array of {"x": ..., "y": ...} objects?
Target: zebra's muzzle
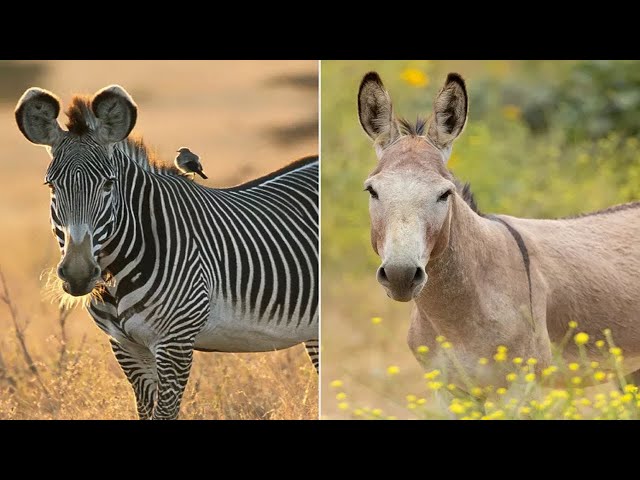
[{"x": 78, "y": 269}]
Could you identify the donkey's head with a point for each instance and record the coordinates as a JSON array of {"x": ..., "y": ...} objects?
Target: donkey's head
[
  {"x": 410, "y": 188},
  {"x": 81, "y": 175}
]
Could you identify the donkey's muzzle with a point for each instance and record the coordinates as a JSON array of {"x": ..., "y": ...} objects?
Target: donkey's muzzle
[{"x": 402, "y": 282}]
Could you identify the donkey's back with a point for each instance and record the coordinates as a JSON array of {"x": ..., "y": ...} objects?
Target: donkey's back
[{"x": 587, "y": 269}]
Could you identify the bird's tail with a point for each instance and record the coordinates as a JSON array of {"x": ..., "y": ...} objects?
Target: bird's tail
[{"x": 201, "y": 173}]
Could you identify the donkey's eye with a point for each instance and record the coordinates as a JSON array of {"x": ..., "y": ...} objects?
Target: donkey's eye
[
  {"x": 371, "y": 191},
  {"x": 444, "y": 196},
  {"x": 107, "y": 186}
]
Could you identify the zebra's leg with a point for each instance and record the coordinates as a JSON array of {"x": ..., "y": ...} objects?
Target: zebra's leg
[
  {"x": 313, "y": 350},
  {"x": 139, "y": 366},
  {"x": 173, "y": 360}
]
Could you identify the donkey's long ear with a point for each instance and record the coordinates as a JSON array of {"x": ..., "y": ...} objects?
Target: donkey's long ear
[
  {"x": 449, "y": 113},
  {"x": 36, "y": 115},
  {"x": 116, "y": 112},
  {"x": 376, "y": 112}
]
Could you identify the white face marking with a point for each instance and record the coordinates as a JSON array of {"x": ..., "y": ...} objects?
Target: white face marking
[
  {"x": 76, "y": 232},
  {"x": 407, "y": 215}
]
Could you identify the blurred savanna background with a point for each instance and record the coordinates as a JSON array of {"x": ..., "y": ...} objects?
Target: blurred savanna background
[
  {"x": 245, "y": 119},
  {"x": 543, "y": 139}
]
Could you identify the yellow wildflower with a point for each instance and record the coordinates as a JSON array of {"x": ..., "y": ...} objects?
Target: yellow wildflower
[
  {"x": 594, "y": 365},
  {"x": 483, "y": 361},
  {"x": 432, "y": 375},
  {"x": 517, "y": 360},
  {"x": 476, "y": 391},
  {"x": 343, "y": 406},
  {"x": 511, "y": 112},
  {"x": 626, "y": 398},
  {"x": 415, "y": 77},
  {"x": 457, "y": 408},
  {"x": 581, "y": 338},
  {"x": 525, "y": 410},
  {"x": 434, "y": 385},
  {"x": 357, "y": 412},
  {"x": 501, "y": 349},
  {"x": 501, "y": 391},
  {"x": 574, "y": 367},
  {"x": 336, "y": 384},
  {"x": 440, "y": 339},
  {"x": 532, "y": 361},
  {"x": 511, "y": 377},
  {"x": 500, "y": 357},
  {"x": 341, "y": 396},
  {"x": 376, "y": 320},
  {"x": 393, "y": 370},
  {"x": 451, "y": 387},
  {"x": 573, "y": 324},
  {"x": 422, "y": 349},
  {"x": 600, "y": 343},
  {"x": 530, "y": 377},
  {"x": 376, "y": 412},
  {"x": 615, "y": 351},
  {"x": 630, "y": 388},
  {"x": 446, "y": 345},
  {"x": 421, "y": 401},
  {"x": 411, "y": 398},
  {"x": 599, "y": 376},
  {"x": 576, "y": 380}
]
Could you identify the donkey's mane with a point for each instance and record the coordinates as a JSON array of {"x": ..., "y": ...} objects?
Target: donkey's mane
[
  {"x": 81, "y": 120},
  {"x": 409, "y": 128},
  {"x": 464, "y": 190}
]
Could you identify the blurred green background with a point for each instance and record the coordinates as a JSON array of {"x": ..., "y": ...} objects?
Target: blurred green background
[{"x": 543, "y": 139}]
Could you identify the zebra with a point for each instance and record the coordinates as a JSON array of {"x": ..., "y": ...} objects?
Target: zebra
[{"x": 172, "y": 266}]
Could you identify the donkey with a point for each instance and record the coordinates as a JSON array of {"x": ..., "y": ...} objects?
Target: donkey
[{"x": 487, "y": 280}]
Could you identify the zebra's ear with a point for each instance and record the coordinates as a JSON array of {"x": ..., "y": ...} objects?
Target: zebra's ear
[
  {"x": 449, "y": 114},
  {"x": 116, "y": 112},
  {"x": 36, "y": 115},
  {"x": 375, "y": 112}
]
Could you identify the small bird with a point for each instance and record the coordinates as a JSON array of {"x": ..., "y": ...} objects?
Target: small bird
[{"x": 189, "y": 162}]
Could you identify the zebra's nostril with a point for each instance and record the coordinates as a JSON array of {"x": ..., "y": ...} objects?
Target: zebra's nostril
[{"x": 418, "y": 277}]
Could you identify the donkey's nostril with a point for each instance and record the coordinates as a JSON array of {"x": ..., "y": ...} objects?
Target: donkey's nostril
[
  {"x": 382, "y": 276},
  {"x": 96, "y": 271},
  {"x": 418, "y": 278},
  {"x": 61, "y": 272}
]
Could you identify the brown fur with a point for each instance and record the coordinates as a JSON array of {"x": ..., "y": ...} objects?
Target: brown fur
[{"x": 501, "y": 280}]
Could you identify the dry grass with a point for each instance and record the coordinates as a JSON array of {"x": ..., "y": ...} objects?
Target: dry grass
[{"x": 53, "y": 367}]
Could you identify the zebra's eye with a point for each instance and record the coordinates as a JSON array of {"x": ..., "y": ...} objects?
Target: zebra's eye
[{"x": 107, "y": 186}]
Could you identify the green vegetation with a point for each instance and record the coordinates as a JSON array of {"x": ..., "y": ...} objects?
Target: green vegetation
[{"x": 543, "y": 139}]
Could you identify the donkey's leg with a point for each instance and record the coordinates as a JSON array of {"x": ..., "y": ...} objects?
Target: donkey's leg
[
  {"x": 139, "y": 366},
  {"x": 174, "y": 355},
  {"x": 313, "y": 350},
  {"x": 633, "y": 377}
]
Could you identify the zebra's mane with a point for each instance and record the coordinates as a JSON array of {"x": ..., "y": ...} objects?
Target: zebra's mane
[{"x": 81, "y": 120}]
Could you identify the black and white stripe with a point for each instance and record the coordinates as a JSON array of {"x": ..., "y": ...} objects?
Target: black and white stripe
[{"x": 187, "y": 261}]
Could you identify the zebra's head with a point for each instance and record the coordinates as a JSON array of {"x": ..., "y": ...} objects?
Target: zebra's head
[{"x": 81, "y": 175}]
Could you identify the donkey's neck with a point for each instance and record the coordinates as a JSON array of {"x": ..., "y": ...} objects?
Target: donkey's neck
[{"x": 452, "y": 291}]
